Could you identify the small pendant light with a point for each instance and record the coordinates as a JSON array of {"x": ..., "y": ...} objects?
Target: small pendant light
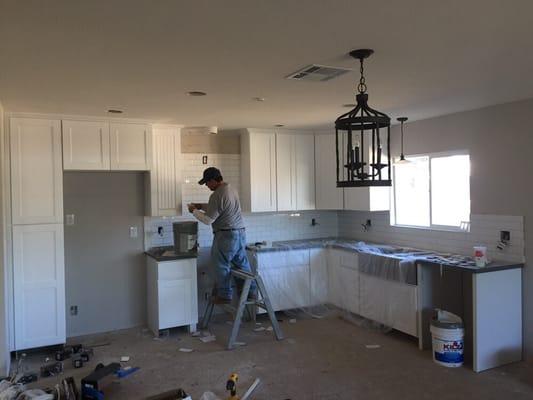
[{"x": 402, "y": 159}]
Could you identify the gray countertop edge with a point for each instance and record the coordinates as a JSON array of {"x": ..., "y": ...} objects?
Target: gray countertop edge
[
  {"x": 327, "y": 242},
  {"x": 181, "y": 256}
]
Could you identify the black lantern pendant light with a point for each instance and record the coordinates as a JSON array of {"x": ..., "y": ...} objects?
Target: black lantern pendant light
[
  {"x": 402, "y": 159},
  {"x": 358, "y": 165}
]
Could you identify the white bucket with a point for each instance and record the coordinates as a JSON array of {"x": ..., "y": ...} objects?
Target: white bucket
[{"x": 448, "y": 339}]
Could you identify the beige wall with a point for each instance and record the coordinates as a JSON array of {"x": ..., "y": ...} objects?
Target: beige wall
[
  {"x": 105, "y": 270},
  {"x": 195, "y": 140},
  {"x": 500, "y": 142}
]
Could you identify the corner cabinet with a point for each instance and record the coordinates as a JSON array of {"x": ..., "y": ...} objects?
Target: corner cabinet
[
  {"x": 258, "y": 170},
  {"x": 172, "y": 294},
  {"x": 328, "y": 195},
  {"x": 295, "y": 169},
  {"x": 164, "y": 187}
]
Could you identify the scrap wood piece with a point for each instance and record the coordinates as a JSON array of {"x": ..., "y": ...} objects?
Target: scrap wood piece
[{"x": 251, "y": 389}]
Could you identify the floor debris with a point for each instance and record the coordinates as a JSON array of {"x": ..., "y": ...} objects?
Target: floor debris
[
  {"x": 186, "y": 350},
  {"x": 372, "y": 346},
  {"x": 269, "y": 329},
  {"x": 251, "y": 389},
  {"x": 207, "y": 339},
  {"x": 124, "y": 358},
  {"x": 260, "y": 329},
  {"x": 196, "y": 334},
  {"x": 292, "y": 321}
]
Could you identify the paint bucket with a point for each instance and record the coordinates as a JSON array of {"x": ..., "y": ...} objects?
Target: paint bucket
[
  {"x": 447, "y": 334},
  {"x": 480, "y": 255}
]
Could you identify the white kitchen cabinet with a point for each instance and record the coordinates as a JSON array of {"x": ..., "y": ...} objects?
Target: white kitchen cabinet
[
  {"x": 328, "y": 195},
  {"x": 375, "y": 198},
  {"x": 172, "y": 294},
  {"x": 344, "y": 280},
  {"x": 394, "y": 304},
  {"x": 295, "y": 166},
  {"x": 164, "y": 189},
  {"x": 86, "y": 145},
  {"x": 258, "y": 170},
  {"x": 319, "y": 276},
  {"x": 36, "y": 171},
  {"x": 39, "y": 285},
  {"x": 130, "y": 146}
]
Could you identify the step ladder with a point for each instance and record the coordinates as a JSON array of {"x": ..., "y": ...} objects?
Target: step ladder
[{"x": 238, "y": 312}]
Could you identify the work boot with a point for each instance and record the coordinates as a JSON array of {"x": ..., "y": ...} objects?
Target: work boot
[{"x": 216, "y": 299}]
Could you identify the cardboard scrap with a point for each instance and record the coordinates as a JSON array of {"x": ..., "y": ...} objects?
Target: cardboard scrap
[{"x": 207, "y": 339}]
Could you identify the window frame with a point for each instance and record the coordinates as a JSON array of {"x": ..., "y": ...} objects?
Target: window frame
[{"x": 432, "y": 227}]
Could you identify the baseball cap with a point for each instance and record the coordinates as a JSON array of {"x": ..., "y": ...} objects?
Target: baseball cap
[{"x": 210, "y": 173}]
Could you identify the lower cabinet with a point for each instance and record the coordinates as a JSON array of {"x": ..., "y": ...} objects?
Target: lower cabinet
[
  {"x": 39, "y": 285},
  {"x": 391, "y": 303},
  {"x": 172, "y": 294},
  {"x": 319, "y": 276},
  {"x": 344, "y": 280}
]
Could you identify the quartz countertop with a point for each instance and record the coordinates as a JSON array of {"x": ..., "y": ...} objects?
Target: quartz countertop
[
  {"x": 428, "y": 257},
  {"x": 167, "y": 253}
]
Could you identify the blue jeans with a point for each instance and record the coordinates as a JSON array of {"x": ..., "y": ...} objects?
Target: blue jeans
[{"x": 229, "y": 251}]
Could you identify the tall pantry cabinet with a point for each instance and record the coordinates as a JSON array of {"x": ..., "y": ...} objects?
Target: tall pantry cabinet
[{"x": 37, "y": 219}]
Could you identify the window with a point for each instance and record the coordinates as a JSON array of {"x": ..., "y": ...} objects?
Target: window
[{"x": 432, "y": 191}]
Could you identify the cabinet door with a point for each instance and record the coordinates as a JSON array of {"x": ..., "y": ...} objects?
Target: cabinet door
[
  {"x": 36, "y": 171},
  {"x": 165, "y": 175},
  {"x": 130, "y": 146},
  {"x": 328, "y": 195},
  {"x": 39, "y": 285},
  {"x": 304, "y": 154},
  {"x": 319, "y": 276},
  {"x": 393, "y": 304},
  {"x": 175, "y": 302},
  {"x": 85, "y": 145},
  {"x": 259, "y": 167},
  {"x": 348, "y": 284},
  {"x": 286, "y": 172}
]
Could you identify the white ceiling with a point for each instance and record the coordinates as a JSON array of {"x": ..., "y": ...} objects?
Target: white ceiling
[{"x": 431, "y": 57}]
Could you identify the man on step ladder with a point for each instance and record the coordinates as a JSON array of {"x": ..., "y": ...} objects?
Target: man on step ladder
[{"x": 223, "y": 213}]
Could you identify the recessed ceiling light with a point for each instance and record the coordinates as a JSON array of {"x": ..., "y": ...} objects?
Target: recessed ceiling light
[
  {"x": 259, "y": 99},
  {"x": 349, "y": 105},
  {"x": 196, "y": 93},
  {"x": 279, "y": 125},
  {"x": 113, "y": 111}
]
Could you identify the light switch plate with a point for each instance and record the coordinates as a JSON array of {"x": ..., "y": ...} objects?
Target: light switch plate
[
  {"x": 134, "y": 232},
  {"x": 70, "y": 219}
]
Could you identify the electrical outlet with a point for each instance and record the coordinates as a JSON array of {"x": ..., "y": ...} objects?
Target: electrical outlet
[
  {"x": 73, "y": 310},
  {"x": 204, "y": 160},
  {"x": 134, "y": 232},
  {"x": 160, "y": 231},
  {"x": 505, "y": 236},
  {"x": 70, "y": 219}
]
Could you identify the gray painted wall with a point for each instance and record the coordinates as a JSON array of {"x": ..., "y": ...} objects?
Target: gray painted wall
[
  {"x": 104, "y": 267},
  {"x": 500, "y": 142},
  {"x": 4, "y": 353}
]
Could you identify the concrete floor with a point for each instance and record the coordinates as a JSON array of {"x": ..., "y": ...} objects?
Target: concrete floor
[{"x": 319, "y": 359}]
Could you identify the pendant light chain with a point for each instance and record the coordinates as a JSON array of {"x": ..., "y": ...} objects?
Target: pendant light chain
[{"x": 362, "y": 85}]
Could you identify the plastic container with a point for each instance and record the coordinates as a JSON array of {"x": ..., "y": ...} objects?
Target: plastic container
[
  {"x": 447, "y": 332},
  {"x": 480, "y": 255}
]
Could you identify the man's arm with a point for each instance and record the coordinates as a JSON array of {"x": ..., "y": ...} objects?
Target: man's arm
[{"x": 202, "y": 217}]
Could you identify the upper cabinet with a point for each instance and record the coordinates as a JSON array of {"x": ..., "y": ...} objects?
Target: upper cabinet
[
  {"x": 102, "y": 146},
  {"x": 295, "y": 169},
  {"x": 165, "y": 174},
  {"x": 328, "y": 195},
  {"x": 130, "y": 146},
  {"x": 85, "y": 145},
  {"x": 258, "y": 170},
  {"x": 36, "y": 171}
]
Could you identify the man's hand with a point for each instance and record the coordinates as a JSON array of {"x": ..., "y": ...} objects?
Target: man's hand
[{"x": 191, "y": 207}]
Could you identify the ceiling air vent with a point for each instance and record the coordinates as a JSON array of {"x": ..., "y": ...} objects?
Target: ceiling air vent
[{"x": 317, "y": 73}]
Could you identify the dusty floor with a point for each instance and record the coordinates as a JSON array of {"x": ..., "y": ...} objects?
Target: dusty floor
[{"x": 319, "y": 359}]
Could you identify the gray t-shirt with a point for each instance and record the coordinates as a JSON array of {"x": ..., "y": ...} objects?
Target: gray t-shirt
[{"x": 225, "y": 209}]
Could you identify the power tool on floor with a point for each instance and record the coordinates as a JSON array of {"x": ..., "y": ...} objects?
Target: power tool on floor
[{"x": 231, "y": 386}]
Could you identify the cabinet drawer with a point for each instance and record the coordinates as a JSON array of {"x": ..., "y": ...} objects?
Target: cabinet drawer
[
  {"x": 181, "y": 269},
  {"x": 281, "y": 259}
]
